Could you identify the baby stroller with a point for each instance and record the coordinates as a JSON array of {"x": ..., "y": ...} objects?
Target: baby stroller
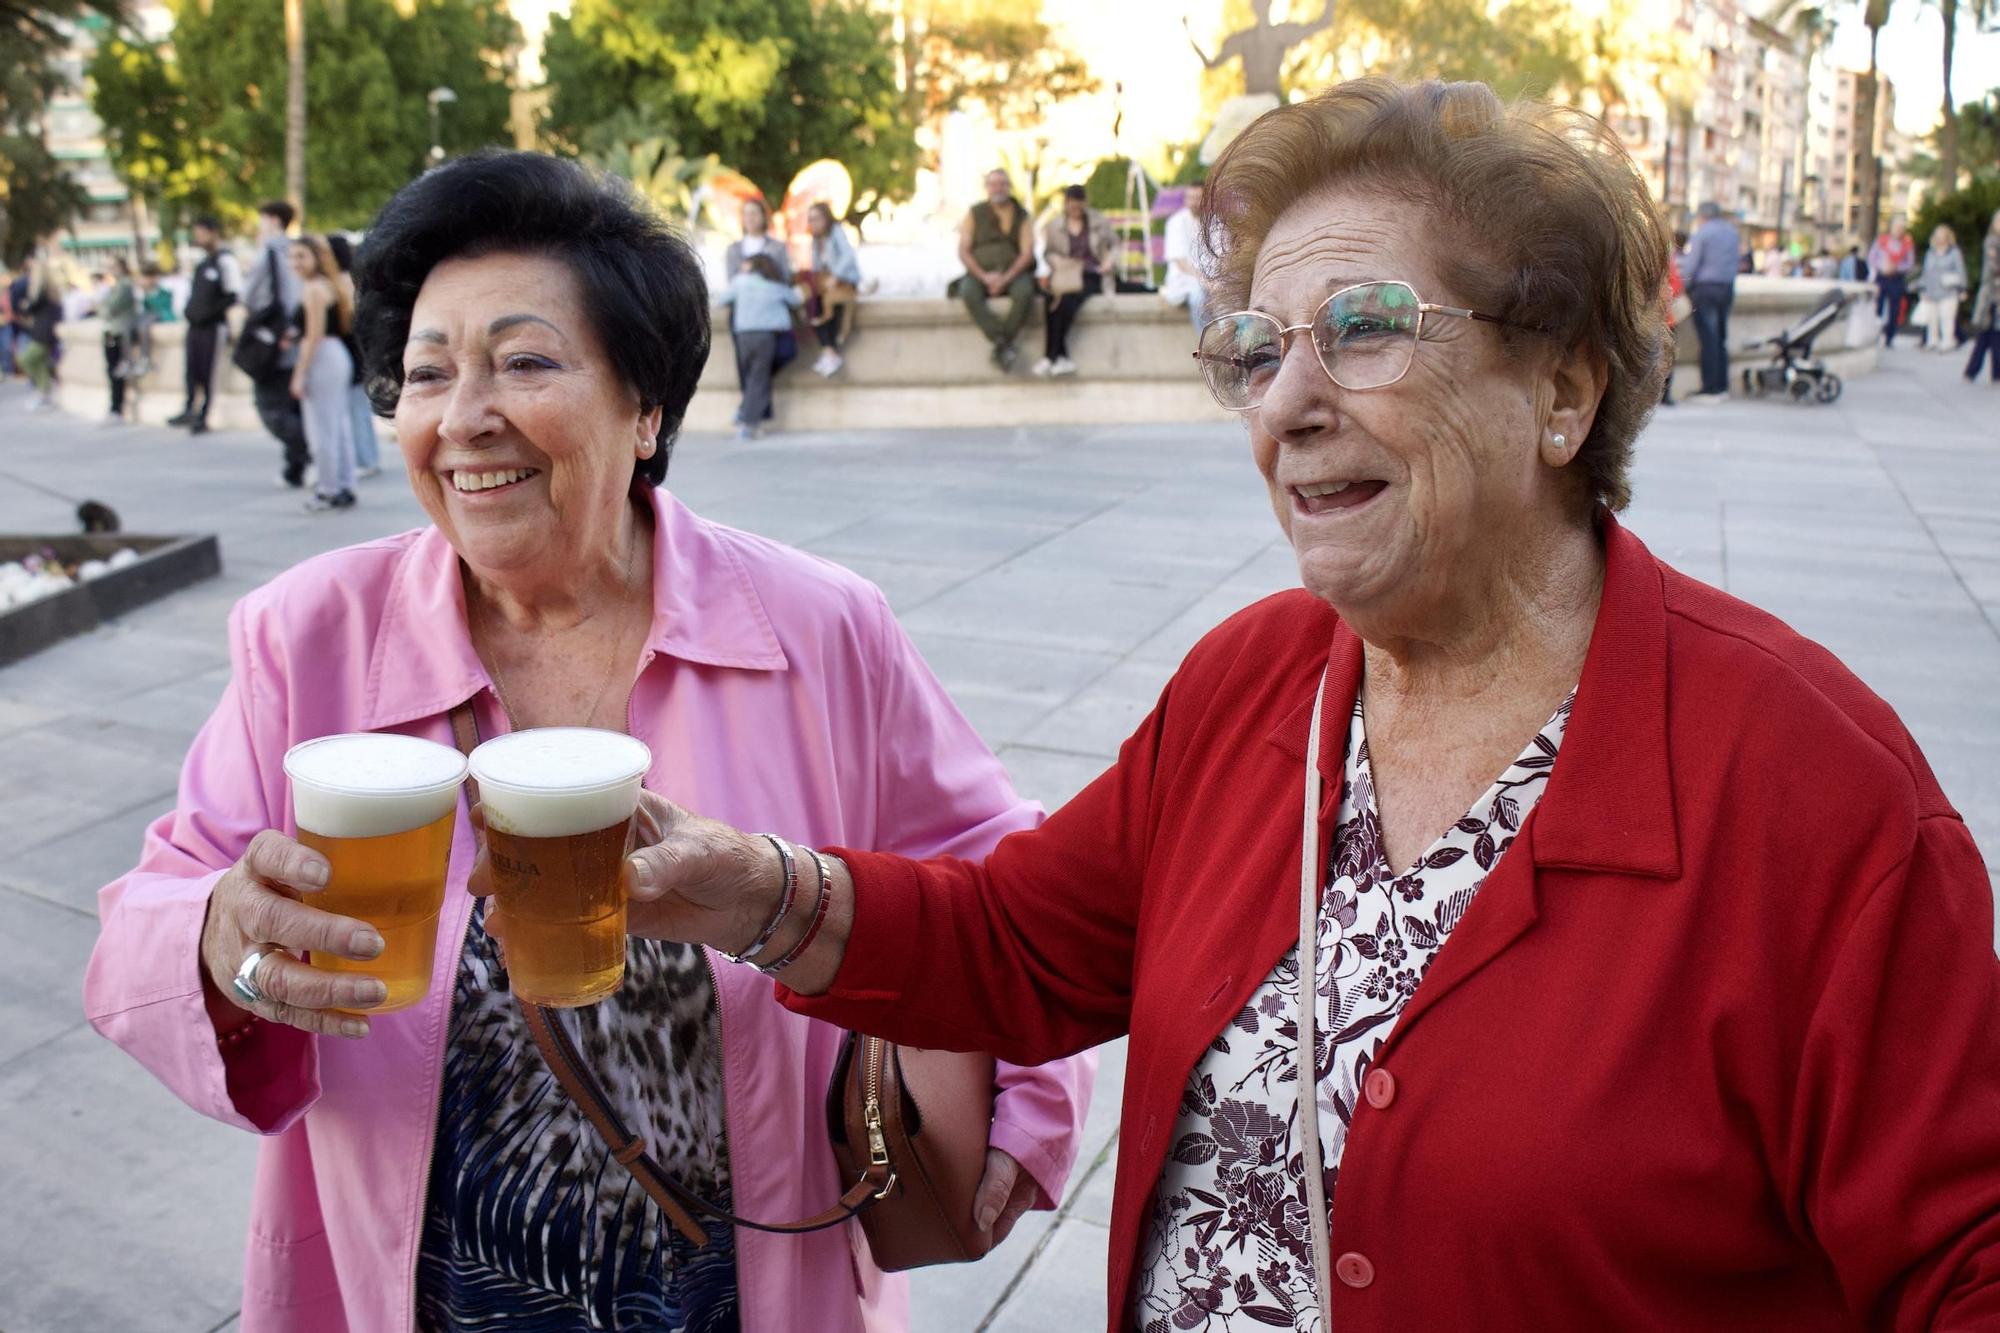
[{"x": 1793, "y": 369}]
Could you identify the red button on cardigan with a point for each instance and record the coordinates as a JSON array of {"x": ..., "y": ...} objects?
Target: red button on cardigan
[{"x": 1379, "y": 1088}]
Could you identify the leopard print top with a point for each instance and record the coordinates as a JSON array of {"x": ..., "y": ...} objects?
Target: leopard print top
[{"x": 529, "y": 1224}]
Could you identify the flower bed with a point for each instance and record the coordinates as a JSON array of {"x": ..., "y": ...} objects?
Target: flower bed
[{"x": 54, "y": 587}]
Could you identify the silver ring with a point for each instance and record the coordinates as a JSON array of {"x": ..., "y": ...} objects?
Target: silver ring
[{"x": 244, "y": 983}]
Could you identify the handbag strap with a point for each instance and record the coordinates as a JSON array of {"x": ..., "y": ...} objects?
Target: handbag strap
[
  {"x": 573, "y": 1073},
  {"x": 1308, "y": 1080}
]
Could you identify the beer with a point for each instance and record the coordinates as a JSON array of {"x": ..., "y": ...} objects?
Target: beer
[
  {"x": 380, "y": 809},
  {"x": 558, "y": 803}
]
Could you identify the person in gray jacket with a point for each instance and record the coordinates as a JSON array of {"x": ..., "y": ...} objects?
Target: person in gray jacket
[
  {"x": 269, "y": 280},
  {"x": 1942, "y": 285},
  {"x": 1986, "y": 308},
  {"x": 1709, "y": 270}
]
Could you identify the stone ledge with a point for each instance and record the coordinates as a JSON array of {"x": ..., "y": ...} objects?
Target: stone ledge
[{"x": 923, "y": 364}]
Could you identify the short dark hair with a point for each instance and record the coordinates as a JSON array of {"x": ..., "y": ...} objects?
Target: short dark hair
[
  {"x": 279, "y": 209},
  {"x": 343, "y": 251},
  {"x": 1075, "y": 192},
  {"x": 208, "y": 220},
  {"x": 643, "y": 289}
]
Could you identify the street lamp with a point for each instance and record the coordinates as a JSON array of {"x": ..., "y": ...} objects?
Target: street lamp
[{"x": 436, "y": 97}]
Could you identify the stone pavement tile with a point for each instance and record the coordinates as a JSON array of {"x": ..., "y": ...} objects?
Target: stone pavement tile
[
  {"x": 1273, "y": 569},
  {"x": 1065, "y": 1287},
  {"x": 57, "y": 781},
  {"x": 1051, "y": 776},
  {"x": 1058, "y": 497},
  {"x": 178, "y": 708},
  {"x": 1005, "y": 688},
  {"x": 1117, "y": 547},
  {"x": 1098, "y": 720},
  {"x": 107, "y": 662},
  {"x": 69, "y": 870},
  {"x": 40, "y": 985},
  {"x": 962, "y": 542},
  {"x": 957, "y": 1298},
  {"x": 103, "y": 1165},
  {"x": 1051, "y": 610},
  {"x": 19, "y": 715},
  {"x": 796, "y": 517},
  {"x": 1177, "y": 638},
  {"x": 906, "y": 584}
]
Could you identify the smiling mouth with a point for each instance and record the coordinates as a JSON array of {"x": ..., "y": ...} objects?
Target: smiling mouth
[
  {"x": 465, "y": 482},
  {"x": 1333, "y": 496}
]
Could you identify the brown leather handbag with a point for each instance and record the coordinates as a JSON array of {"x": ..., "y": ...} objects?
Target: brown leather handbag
[{"x": 908, "y": 1129}]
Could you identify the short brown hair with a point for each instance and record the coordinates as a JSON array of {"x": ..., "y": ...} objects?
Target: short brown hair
[{"x": 1553, "y": 226}]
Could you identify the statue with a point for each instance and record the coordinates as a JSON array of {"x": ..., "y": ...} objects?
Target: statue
[{"x": 1262, "y": 49}]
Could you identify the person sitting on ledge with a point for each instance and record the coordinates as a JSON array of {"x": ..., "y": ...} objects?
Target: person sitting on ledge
[
  {"x": 1077, "y": 244},
  {"x": 997, "y": 246}
]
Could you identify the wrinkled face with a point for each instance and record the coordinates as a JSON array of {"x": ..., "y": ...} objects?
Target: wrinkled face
[
  {"x": 519, "y": 434},
  {"x": 998, "y": 188},
  {"x": 1392, "y": 496}
]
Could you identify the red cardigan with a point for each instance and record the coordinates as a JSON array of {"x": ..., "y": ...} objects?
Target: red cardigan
[{"x": 1716, "y": 1047}]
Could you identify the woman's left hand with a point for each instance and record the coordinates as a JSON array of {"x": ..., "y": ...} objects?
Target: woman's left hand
[
  {"x": 1005, "y": 1193},
  {"x": 298, "y": 387}
]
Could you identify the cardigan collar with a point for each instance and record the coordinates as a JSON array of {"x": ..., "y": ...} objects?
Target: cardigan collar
[
  {"x": 706, "y": 609},
  {"x": 1609, "y": 802}
]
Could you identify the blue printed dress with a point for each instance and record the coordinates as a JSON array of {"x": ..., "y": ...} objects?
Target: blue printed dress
[{"x": 529, "y": 1226}]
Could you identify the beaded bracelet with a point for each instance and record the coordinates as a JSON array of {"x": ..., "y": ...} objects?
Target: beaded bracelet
[
  {"x": 784, "y": 906},
  {"x": 820, "y": 905},
  {"x": 235, "y": 1037}
]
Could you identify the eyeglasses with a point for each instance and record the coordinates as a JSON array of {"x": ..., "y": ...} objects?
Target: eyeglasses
[{"x": 1365, "y": 336}]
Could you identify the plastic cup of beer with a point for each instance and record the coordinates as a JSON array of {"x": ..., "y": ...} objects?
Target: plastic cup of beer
[
  {"x": 558, "y": 803},
  {"x": 380, "y": 809}
]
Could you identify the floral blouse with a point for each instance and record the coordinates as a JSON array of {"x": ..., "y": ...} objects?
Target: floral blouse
[{"x": 1228, "y": 1245}]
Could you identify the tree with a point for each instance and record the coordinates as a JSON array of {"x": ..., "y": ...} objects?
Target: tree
[
  {"x": 631, "y": 146},
  {"x": 37, "y": 197},
  {"x": 766, "y": 85},
  {"x": 369, "y": 69},
  {"x": 1002, "y": 58},
  {"x": 1529, "y": 46},
  {"x": 135, "y": 88},
  {"x": 1981, "y": 13}
]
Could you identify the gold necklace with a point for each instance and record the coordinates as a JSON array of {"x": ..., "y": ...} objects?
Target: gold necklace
[{"x": 610, "y": 665}]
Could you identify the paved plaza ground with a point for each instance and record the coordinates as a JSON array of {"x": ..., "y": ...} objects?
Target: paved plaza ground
[{"x": 1053, "y": 577}]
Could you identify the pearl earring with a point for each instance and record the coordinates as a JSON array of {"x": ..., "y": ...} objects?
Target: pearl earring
[{"x": 1559, "y": 440}]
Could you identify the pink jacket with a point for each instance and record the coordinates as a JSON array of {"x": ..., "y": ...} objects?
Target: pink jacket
[{"x": 776, "y": 691}]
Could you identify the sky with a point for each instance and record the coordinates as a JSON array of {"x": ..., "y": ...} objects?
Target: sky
[{"x": 1911, "y": 56}]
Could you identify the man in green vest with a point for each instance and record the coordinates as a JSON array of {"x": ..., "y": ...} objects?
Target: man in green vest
[{"x": 996, "y": 243}]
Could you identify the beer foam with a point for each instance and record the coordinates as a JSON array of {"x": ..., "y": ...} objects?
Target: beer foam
[
  {"x": 368, "y": 785},
  {"x": 549, "y": 782}
]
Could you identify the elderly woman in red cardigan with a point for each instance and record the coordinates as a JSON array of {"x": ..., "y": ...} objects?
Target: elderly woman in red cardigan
[{"x": 1651, "y": 976}]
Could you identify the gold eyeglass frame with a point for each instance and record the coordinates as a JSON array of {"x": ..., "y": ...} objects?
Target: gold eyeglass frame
[{"x": 1285, "y": 332}]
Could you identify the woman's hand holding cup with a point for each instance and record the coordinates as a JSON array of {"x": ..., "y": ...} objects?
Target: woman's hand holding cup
[{"x": 257, "y": 904}]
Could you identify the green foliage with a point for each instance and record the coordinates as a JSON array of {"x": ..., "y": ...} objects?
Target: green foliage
[
  {"x": 961, "y": 53},
  {"x": 1106, "y": 186},
  {"x": 136, "y": 91},
  {"x": 767, "y": 86},
  {"x": 369, "y": 69},
  {"x": 1525, "y": 47},
  {"x": 37, "y": 197},
  {"x": 1968, "y": 212},
  {"x": 632, "y": 146}
]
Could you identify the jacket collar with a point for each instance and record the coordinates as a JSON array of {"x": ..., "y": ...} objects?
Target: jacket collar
[
  {"x": 706, "y": 609},
  {"x": 1609, "y": 804}
]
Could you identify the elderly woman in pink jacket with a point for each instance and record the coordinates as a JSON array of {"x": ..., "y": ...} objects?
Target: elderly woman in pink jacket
[{"x": 538, "y": 338}]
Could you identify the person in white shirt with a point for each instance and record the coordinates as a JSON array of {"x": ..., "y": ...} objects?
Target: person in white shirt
[{"x": 1185, "y": 283}]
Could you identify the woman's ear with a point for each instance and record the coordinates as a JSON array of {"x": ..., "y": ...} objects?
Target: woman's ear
[
  {"x": 649, "y": 430},
  {"x": 1577, "y": 379}
]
